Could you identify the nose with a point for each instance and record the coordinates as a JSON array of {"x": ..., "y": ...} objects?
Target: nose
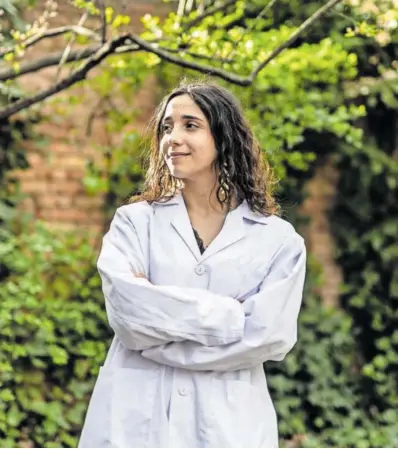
[{"x": 175, "y": 137}]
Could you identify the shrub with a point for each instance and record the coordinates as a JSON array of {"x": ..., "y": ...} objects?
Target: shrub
[{"x": 53, "y": 337}]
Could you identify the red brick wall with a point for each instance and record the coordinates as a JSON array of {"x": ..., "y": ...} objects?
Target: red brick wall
[
  {"x": 54, "y": 181},
  {"x": 321, "y": 191}
]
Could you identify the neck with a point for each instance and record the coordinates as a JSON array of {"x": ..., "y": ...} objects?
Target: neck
[{"x": 200, "y": 197}]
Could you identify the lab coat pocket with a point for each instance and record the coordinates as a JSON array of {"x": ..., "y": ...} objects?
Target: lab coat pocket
[
  {"x": 132, "y": 402},
  {"x": 241, "y": 416},
  {"x": 120, "y": 409}
]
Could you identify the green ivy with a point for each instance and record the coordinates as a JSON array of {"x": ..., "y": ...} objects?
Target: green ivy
[
  {"x": 365, "y": 225},
  {"x": 53, "y": 337}
]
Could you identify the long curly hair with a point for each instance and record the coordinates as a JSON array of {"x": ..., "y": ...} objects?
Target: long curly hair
[{"x": 241, "y": 166}]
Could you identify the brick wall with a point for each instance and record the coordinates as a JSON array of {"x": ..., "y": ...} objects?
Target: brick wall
[
  {"x": 54, "y": 181},
  {"x": 322, "y": 189}
]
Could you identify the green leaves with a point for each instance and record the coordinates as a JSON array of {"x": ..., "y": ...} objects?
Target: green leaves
[{"x": 51, "y": 341}]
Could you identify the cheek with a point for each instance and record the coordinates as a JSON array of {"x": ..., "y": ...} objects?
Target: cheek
[
  {"x": 205, "y": 147},
  {"x": 212, "y": 151},
  {"x": 163, "y": 146}
]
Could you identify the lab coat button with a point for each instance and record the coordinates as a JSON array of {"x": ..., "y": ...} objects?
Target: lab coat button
[
  {"x": 183, "y": 391},
  {"x": 200, "y": 269}
]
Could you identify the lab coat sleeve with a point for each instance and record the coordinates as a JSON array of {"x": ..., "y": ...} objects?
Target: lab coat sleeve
[
  {"x": 270, "y": 329},
  {"x": 144, "y": 315}
]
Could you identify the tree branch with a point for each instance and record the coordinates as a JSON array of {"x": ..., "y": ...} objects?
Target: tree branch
[
  {"x": 54, "y": 59},
  {"x": 123, "y": 44},
  {"x": 266, "y": 8},
  {"x": 208, "y": 13},
  {"x": 48, "y": 61},
  {"x": 51, "y": 33},
  {"x": 77, "y": 75},
  {"x": 68, "y": 48},
  {"x": 189, "y": 6},
  {"x": 181, "y": 8},
  {"x": 101, "y": 7},
  {"x": 166, "y": 56},
  {"x": 132, "y": 47}
]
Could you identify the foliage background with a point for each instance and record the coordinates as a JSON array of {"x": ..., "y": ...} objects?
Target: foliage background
[{"x": 334, "y": 96}]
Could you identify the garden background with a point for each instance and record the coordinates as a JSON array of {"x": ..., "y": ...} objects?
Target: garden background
[{"x": 78, "y": 83}]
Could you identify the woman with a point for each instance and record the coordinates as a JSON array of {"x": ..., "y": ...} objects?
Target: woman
[{"x": 202, "y": 282}]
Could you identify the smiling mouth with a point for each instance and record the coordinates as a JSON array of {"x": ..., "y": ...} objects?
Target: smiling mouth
[{"x": 175, "y": 155}]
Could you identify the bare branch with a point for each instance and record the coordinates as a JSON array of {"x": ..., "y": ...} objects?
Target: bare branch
[
  {"x": 101, "y": 7},
  {"x": 95, "y": 112},
  {"x": 204, "y": 57},
  {"x": 266, "y": 8},
  {"x": 54, "y": 58},
  {"x": 51, "y": 33},
  {"x": 48, "y": 61},
  {"x": 209, "y": 13},
  {"x": 78, "y": 75},
  {"x": 189, "y": 6},
  {"x": 68, "y": 48},
  {"x": 166, "y": 56},
  {"x": 132, "y": 47},
  {"x": 181, "y": 8}
]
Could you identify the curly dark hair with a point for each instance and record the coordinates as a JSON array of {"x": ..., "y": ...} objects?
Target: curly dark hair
[{"x": 242, "y": 168}]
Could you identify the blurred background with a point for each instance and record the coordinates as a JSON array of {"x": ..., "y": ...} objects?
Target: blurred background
[{"x": 79, "y": 81}]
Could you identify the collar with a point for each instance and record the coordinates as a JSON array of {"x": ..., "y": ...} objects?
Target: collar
[{"x": 244, "y": 208}]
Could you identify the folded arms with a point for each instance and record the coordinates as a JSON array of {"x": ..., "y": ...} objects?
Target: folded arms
[{"x": 193, "y": 328}]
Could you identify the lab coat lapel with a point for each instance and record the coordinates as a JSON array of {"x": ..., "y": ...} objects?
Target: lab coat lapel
[
  {"x": 181, "y": 223},
  {"x": 235, "y": 228},
  {"x": 232, "y": 231}
]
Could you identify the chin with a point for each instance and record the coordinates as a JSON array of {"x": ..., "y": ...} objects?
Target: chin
[{"x": 180, "y": 174}]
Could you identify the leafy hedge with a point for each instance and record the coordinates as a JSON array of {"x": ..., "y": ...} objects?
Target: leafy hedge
[
  {"x": 12, "y": 157},
  {"x": 365, "y": 226},
  {"x": 53, "y": 337}
]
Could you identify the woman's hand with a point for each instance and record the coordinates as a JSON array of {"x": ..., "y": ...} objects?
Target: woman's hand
[{"x": 139, "y": 275}]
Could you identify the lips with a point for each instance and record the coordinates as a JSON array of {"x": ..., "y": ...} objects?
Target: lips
[{"x": 178, "y": 154}]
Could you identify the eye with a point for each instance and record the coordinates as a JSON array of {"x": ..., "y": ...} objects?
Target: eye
[
  {"x": 166, "y": 128},
  {"x": 191, "y": 125}
]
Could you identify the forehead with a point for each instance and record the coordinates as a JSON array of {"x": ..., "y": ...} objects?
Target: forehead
[{"x": 182, "y": 105}]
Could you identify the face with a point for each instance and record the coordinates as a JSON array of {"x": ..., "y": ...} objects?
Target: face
[{"x": 186, "y": 140}]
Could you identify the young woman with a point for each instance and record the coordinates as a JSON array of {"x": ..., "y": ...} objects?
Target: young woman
[{"x": 202, "y": 282}]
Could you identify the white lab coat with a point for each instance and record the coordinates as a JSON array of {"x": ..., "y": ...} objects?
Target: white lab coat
[{"x": 185, "y": 368}]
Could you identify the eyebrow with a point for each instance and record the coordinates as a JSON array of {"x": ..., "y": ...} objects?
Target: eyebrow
[{"x": 184, "y": 117}]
